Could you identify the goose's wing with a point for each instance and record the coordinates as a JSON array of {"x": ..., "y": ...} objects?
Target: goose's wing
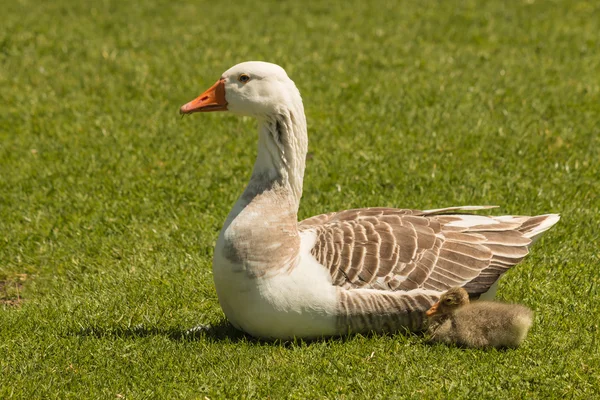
[{"x": 398, "y": 249}]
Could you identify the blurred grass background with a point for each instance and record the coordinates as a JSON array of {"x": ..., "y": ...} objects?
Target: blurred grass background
[{"x": 110, "y": 203}]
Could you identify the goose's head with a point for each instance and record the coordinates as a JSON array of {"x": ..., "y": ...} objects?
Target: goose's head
[
  {"x": 251, "y": 88},
  {"x": 451, "y": 300}
]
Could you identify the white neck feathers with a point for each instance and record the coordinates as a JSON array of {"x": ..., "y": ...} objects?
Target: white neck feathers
[{"x": 282, "y": 146}]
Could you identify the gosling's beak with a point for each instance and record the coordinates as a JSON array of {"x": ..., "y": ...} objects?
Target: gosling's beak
[
  {"x": 433, "y": 309},
  {"x": 211, "y": 100}
]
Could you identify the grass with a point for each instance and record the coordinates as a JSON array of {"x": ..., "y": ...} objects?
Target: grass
[{"x": 110, "y": 204}]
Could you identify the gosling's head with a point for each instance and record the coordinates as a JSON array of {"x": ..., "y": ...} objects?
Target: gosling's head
[{"x": 453, "y": 299}]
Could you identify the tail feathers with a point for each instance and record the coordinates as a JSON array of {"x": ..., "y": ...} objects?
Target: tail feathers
[
  {"x": 535, "y": 226},
  {"x": 507, "y": 252}
]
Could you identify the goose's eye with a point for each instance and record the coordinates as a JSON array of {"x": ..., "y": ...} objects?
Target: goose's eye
[
  {"x": 244, "y": 78},
  {"x": 448, "y": 301}
]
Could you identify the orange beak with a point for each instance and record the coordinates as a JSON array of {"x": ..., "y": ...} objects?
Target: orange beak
[
  {"x": 211, "y": 100},
  {"x": 433, "y": 310}
]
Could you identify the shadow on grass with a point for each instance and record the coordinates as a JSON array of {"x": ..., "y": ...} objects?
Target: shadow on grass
[{"x": 222, "y": 331}]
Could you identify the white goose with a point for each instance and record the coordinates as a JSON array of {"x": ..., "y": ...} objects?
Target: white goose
[{"x": 370, "y": 269}]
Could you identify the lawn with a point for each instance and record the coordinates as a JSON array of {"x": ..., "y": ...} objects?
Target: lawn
[{"x": 110, "y": 203}]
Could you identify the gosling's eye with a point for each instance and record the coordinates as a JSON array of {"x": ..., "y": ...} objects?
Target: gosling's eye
[
  {"x": 244, "y": 78},
  {"x": 448, "y": 301}
]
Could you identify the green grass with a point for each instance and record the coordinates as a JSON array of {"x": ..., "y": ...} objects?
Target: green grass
[{"x": 110, "y": 203}]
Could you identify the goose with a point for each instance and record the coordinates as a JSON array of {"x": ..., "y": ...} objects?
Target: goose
[
  {"x": 454, "y": 320},
  {"x": 354, "y": 271}
]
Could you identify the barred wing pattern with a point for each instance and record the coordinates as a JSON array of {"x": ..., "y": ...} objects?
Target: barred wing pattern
[{"x": 402, "y": 250}]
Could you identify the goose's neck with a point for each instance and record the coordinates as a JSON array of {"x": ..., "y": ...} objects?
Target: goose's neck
[
  {"x": 280, "y": 162},
  {"x": 261, "y": 232}
]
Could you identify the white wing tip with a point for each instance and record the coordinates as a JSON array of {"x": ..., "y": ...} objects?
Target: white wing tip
[
  {"x": 546, "y": 224},
  {"x": 459, "y": 208}
]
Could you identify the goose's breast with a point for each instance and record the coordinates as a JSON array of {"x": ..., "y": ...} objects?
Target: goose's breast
[{"x": 292, "y": 302}]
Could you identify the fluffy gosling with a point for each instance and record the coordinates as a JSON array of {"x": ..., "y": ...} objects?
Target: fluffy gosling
[{"x": 453, "y": 320}]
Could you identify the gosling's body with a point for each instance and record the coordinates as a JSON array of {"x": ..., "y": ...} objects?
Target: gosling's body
[{"x": 480, "y": 324}]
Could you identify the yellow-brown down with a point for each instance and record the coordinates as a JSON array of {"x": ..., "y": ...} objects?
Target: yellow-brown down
[{"x": 454, "y": 320}]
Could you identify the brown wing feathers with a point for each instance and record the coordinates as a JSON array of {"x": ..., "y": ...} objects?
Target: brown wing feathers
[{"x": 391, "y": 249}]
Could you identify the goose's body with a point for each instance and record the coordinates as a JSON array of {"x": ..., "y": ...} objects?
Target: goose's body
[
  {"x": 454, "y": 320},
  {"x": 372, "y": 269}
]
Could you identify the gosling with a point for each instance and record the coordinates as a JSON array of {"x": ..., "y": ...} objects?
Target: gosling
[{"x": 453, "y": 320}]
